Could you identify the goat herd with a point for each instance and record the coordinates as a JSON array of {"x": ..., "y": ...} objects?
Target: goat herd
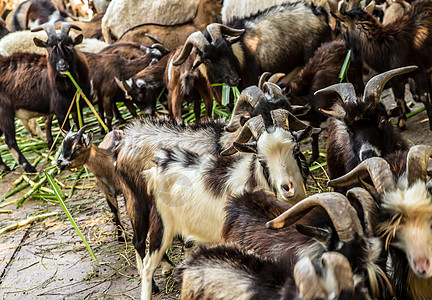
[{"x": 237, "y": 188}]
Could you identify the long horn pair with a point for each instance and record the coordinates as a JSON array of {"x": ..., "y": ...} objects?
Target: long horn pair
[
  {"x": 248, "y": 100},
  {"x": 66, "y": 27},
  {"x": 343, "y": 215},
  {"x": 369, "y": 207},
  {"x": 253, "y": 128},
  {"x": 273, "y": 79},
  {"x": 286, "y": 120},
  {"x": 196, "y": 39},
  {"x": 216, "y": 30}
]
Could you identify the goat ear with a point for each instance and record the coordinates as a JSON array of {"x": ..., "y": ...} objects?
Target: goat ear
[
  {"x": 39, "y": 42},
  {"x": 305, "y": 133},
  {"x": 78, "y": 39},
  {"x": 246, "y": 147},
  {"x": 63, "y": 132},
  {"x": 233, "y": 40},
  {"x": 89, "y": 139},
  {"x": 322, "y": 235},
  {"x": 370, "y": 7}
]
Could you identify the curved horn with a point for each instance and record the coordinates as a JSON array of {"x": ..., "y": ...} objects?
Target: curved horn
[
  {"x": 65, "y": 27},
  {"x": 262, "y": 79},
  {"x": 375, "y": 85},
  {"x": 353, "y": 4},
  {"x": 164, "y": 50},
  {"x": 71, "y": 129},
  {"x": 275, "y": 77},
  {"x": 48, "y": 27},
  {"x": 81, "y": 131},
  {"x": 286, "y": 120},
  {"x": 196, "y": 39},
  {"x": 375, "y": 167},
  {"x": 272, "y": 89},
  {"x": 247, "y": 101},
  {"x": 345, "y": 90},
  {"x": 252, "y": 128},
  {"x": 369, "y": 206},
  {"x": 307, "y": 280},
  {"x": 341, "y": 268},
  {"x": 343, "y": 215},
  {"x": 216, "y": 30},
  {"x": 154, "y": 40},
  {"x": 417, "y": 162}
]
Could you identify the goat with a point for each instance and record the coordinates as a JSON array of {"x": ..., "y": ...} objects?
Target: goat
[
  {"x": 127, "y": 50},
  {"x": 105, "y": 68},
  {"x": 78, "y": 150},
  {"x": 41, "y": 12},
  {"x": 277, "y": 39},
  {"x": 145, "y": 86},
  {"x": 360, "y": 128},
  {"x": 319, "y": 223},
  {"x": 227, "y": 272},
  {"x": 322, "y": 70},
  {"x": 190, "y": 75},
  {"x": 91, "y": 29},
  {"x": 175, "y": 35},
  {"x": 123, "y": 15},
  {"x": 43, "y": 90},
  {"x": 387, "y": 46},
  {"x": 405, "y": 211},
  {"x": 147, "y": 137}
]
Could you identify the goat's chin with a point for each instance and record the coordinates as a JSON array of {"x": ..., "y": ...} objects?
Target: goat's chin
[{"x": 291, "y": 197}]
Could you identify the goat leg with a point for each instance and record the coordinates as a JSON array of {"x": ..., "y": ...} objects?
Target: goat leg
[
  {"x": 5, "y": 168},
  {"x": 117, "y": 114},
  {"x": 399, "y": 94},
  {"x": 48, "y": 132}
]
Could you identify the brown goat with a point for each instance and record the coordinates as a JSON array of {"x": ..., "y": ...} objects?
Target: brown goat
[
  {"x": 173, "y": 36},
  {"x": 127, "y": 50}
]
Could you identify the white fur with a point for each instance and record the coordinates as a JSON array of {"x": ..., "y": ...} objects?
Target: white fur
[
  {"x": 414, "y": 234},
  {"x": 368, "y": 147}
]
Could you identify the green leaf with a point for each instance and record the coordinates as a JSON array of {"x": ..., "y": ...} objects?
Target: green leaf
[
  {"x": 225, "y": 94},
  {"x": 345, "y": 67}
]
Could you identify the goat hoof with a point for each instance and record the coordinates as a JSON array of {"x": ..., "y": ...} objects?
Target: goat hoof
[
  {"x": 155, "y": 288},
  {"x": 402, "y": 124},
  {"x": 121, "y": 239},
  {"x": 30, "y": 169}
]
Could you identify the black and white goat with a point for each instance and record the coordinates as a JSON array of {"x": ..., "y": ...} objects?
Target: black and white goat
[
  {"x": 271, "y": 161},
  {"x": 360, "y": 127},
  {"x": 405, "y": 215},
  {"x": 228, "y": 272},
  {"x": 32, "y": 85},
  {"x": 78, "y": 150}
]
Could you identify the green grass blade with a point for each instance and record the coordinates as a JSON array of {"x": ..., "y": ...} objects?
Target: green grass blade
[
  {"x": 345, "y": 67},
  {"x": 60, "y": 197},
  {"x": 225, "y": 94}
]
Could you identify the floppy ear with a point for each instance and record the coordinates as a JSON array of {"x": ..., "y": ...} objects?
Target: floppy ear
[
  {"x": 320, "y": 234},
  {"x": 39, "y": 42},
  {"x": 78, "y": 39}
]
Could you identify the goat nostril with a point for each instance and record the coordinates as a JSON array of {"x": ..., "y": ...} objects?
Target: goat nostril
[{"x": 286, "y": 187}]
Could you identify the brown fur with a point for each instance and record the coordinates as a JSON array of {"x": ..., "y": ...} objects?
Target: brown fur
[{"x": 127, "y": 50}]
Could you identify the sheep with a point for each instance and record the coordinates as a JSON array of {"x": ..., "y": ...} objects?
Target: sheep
[
  {"x": 360, "y": 128},
  {"x": 404, "y": 199},
  {"x": 227, "y": 272},
  {"x": 144, "y": 138},
  {"x": 337, "y": 223},
  {"x": 268, "y": 41},
  {"x": 105, "y": 68},
  {"x": 78, "y": 150},
  {"x": 101, "y": 6},
  {"x": 322, "y": 70},
  {"x": 384, "y": 47},
  {"x": 174, "y": 35},
  {"x": 122, "y": 15},
  {"x": 22, "y": 41},
  {"x": 43, "y": 90}
]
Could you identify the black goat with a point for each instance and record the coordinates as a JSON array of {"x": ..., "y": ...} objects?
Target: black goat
[
  {"x": 360, "y": 128},
  {"x": 32, "y": 85}
]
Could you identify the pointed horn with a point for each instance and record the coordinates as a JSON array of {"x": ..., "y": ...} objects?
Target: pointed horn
[
  {"x": 72, "y": 128},
  {"x": 262, "y": 79},
  {"x": 375, "y": 85},
  {"x": 417, "y": 162},
  {"x": 375, "y": 167},
  {"x": 275, "y": 77},
  {"x": 48, "y": 27},
  {"x": 353, "y": 4},
  {"x": 252, "y": 128},
  {"x": 336, "y": 112},
  {"x": 154, "y": 40},
  {"x": 345, "y": 90},
  {"x": 216, "y": 30},
  {"x": 307, "y": 280},
  {"x": 247, "y": 101},
  {"x": 342, "y": 272},
  {"x": 272, "y": 89},
  {"x": 164, "y": 50},
  {"x": 196, "y": 39},
  {"x": 81, "y": 131},
  {"x": 66, "y": 27},
  {"x": 369, "y": 206},
  {"x": 343, "y": 215},
  {"x": 286, "y": 120}
]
